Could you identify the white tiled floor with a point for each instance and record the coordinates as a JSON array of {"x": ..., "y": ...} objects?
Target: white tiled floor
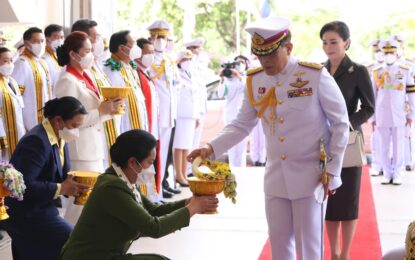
[{"x": 239, "y": 231}]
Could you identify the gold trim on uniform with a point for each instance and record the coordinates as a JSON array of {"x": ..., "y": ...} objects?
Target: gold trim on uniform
[
  {"x": 403, "y": 66},
  {"x": 410, "y": 89},
  {"x": 312, "y": 65},
  {"x": 299, "y": 83}
]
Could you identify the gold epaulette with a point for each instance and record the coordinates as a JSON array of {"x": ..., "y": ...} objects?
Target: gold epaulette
[
  {"x": 313, "y": 65},
  {"x": 377, "y": 67},
  {"x": 405, "y": 67},
  {"x": 254, "y": 71},
  {"x": 22, "y": 89}
]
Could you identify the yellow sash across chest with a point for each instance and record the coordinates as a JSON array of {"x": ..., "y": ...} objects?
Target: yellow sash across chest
[{"x": 9, "y": 114}]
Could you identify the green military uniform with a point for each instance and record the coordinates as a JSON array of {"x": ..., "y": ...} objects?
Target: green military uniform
[{"x": 112, "y": 218}]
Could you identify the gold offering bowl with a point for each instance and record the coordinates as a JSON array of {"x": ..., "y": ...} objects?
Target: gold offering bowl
[
  {"x": 3, "y": 193},
  {"x": 201, "y": 187},
  {"x": 85, "y": 177},
  {"x": 116, "y": 92}
]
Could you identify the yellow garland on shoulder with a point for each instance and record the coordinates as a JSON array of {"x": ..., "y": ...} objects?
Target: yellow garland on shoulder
[
  {"x": 52, "y": 54},
  {"x": 269, "y": 100},
  {"x": 9, "y": 116}
]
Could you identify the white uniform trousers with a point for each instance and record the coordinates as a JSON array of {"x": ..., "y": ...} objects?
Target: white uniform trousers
[
  {"x": 257, "y": 149},
  {"x": 376, "y": 162},
  {"x": 392, "y": 167},
  {"x": 165, "y": 133},
  {"x": 295, "y": 225},
  {"x": 74, "y": 211},
  {"x": 237, "y": 154},
  {"x": 409, "y": 146}
]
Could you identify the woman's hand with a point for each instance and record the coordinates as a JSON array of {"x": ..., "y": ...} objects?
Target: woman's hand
[
  {"x": 110, "y": 107},
  {"x": 72, "y": 188},
  {"x": 201, "y": 204}
]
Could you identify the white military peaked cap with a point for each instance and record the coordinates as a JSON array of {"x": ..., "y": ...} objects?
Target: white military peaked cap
[
  {"x": 19, "y": 44},
  {"x": 267, "y": 34},
  {"x": 398, "y": 37},
  {"x": 159, "y": 28},
  {"x": 389, "y": 45},
  {"x": 198, "y": 42}
]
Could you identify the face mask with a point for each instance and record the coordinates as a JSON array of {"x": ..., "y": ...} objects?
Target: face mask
[
  {"x": 98, "y": 48},
  {"x": 146, "y": 175},
  {"x": 6, "y": 69},
  {"x": 69, "y": 134},
  {"x": 86, "y": 61},
  {"x": 379, "y": 56},
  {"x": 135, "y": 52},
  {"x": 160, "y": 44},
  {"x": 390, "y": 58},
  {"x": 185, "y": 65},
  {"x": 37, "y": 49},
  {"x": 147, "y": 60},
  {"x": 56, "y": 43}
]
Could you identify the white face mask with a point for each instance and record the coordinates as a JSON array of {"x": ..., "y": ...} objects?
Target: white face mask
[
  {"x": 37, "y": 49},
  {"x": 6, "y": 69},
  {"x": 390, "y": 58},
  {"x": 379, "y": 56},
  {"x": 86, "y": 61},
  {"x": 56, "y": 43},
  {"x": 135, "y": 52},
  {"x": 146, "y": 175},
  {"x": 147, "y": 60},
  {"x": 69, "y": 134},
  {"x": 98, "y": 48},
  {"x": 185, "y": 65},
  {"x": 160, "y": 44}
]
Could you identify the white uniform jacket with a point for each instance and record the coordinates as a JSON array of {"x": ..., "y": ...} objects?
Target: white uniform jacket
[
  {"x": 232, "y": 89},
  {"x": 164, "y": 75},
  {"x": 54, "y": 69},
  {"x": 187, "y": 106},
  {"x": 307, "y": 105},
  {"x": 89, "y": 145},
  {"x": 394, "y": 84},
  {"x": 23, "y": 74}
]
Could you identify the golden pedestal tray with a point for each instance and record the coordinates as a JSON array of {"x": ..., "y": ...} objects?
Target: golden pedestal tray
[
  {"x": 89, "y": 178},
  {"x": 116, "y": 92},
  {"x": 201, "y": 187}
]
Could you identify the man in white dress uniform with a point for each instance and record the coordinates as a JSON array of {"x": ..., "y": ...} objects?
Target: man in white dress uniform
[
  {"x": 299, "y": 104},
  {"x": 32, "y": 75},
  {"x": 164, "y": 74},
  {"x": 394, "y": 85},
  {"x": 54, "y": 38}
]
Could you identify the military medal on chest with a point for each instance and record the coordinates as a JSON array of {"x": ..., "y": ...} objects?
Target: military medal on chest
[{"x": 299, "y": 82}]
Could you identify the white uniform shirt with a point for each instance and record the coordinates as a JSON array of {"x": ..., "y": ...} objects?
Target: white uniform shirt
[
  {"x": 391, "y": 84},
  {"x": 23, "y": 75},
  {"x": 304, "y": 115},
  {"x": 117, "y": 80}
]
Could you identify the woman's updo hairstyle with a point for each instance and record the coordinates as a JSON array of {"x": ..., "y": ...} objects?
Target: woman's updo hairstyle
[
  {"x": 134, "y": 143},
  {"x": 73, "y": 42},
  {"x": 339, "y": 27},
  {"x": 65, "y": 107}
]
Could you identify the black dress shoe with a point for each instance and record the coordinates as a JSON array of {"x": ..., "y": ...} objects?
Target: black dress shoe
[
  {"x": 171, "y": 190},
  {"x": 182, "y": 184},
  {"x": 167, "y": 195},
  {"x": 408, "y": 168},
  {"x": 190, "y": 175}
]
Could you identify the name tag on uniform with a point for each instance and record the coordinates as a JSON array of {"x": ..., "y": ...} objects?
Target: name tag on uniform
[{"x": 303, "y": 92}]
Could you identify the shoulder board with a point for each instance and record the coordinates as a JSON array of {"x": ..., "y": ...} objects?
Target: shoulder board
[
  {"x": 405, "y": 67},
  {"x": 254, "y": 71},
  {"x": 377, "y": 67},
  {"x": 312, "y": 65},
  {"x": 410, "y": 60}
]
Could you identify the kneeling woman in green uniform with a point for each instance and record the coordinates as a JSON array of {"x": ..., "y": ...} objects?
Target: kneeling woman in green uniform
[{"x": 116, "y": 213}]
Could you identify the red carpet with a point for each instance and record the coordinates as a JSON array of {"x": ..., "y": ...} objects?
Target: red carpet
[{"x": 366, "y": 244}]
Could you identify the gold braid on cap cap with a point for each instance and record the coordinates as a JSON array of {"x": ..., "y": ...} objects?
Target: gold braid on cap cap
[
  {"x": 260, "y": 49},
  {"x": 388, "y": 47},
  {"x": 159, "y": 32}
]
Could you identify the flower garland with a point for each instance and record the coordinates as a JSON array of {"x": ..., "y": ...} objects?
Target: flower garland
[
  {"x": 12, "y": 180},
  {"x": 219, "y": 171},
  {"x": 116, "y": 64}
]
